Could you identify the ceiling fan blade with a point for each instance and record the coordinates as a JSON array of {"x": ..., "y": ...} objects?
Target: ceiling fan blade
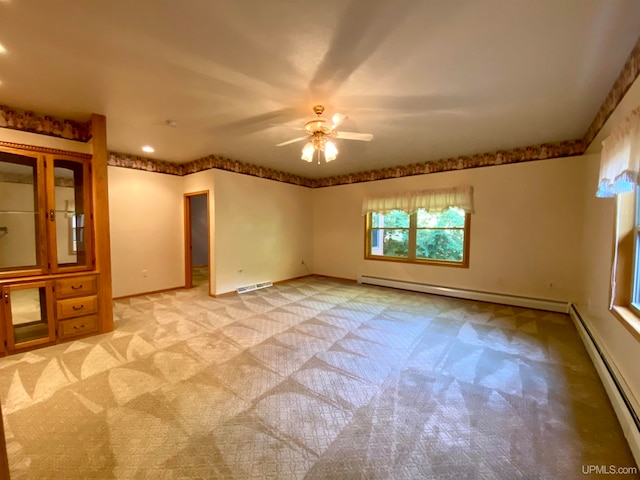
[
  {"x": 365, "y": 25},
  {"x": 365, "y": 137},
  {"x": 260, "y": 122},
  {"x": 299, "y": 139},
  {"x": 405, "y": 103},
  {"x": 337, "y": 119}
]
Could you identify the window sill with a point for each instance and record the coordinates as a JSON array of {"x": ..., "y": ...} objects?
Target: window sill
[
  {"x": 441, "y": 263},
  {"x": 628, "y": 318}
]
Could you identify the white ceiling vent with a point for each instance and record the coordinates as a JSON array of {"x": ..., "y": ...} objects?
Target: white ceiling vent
[{"x": 254, "y": 286}]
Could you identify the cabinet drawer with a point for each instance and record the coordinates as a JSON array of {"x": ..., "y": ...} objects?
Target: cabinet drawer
[
  {"x": 75, "y": 307},
  {"x": 77, "y": 326},
  {"x": 76, "y": 286}
]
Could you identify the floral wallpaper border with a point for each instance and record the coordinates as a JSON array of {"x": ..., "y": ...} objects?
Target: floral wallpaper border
[
  {"x": 625, "y": 79},
  {"x": 501, "y": 157},
  {"x": 134, "y": 162},
  {"x": 29, "y": 121},
  {"x": 117, "y": 159}
]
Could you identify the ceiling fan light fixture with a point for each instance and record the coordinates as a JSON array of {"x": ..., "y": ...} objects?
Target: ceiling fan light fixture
[
  {"x": 319, "y": 136},
  {"x": 330, "y": 151},
  {"x": 307, "y": 152}
]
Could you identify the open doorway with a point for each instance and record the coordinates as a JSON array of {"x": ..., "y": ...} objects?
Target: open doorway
[{"x": 196, "y": 236}]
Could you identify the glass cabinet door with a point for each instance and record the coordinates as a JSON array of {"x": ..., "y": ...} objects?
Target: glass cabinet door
[
  {"x": 22, "y": 222},
  {"x": 29, "y": 314},
  {"x": 70, "y": 233}
]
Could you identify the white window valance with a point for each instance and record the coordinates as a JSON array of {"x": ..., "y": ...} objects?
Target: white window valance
[
  {"x": 432, "y": 200},
  {"x": 620, "y": 158}
]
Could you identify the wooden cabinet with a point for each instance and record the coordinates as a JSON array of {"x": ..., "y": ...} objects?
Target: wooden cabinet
[
  {"x": 45, "y": 213},
  {"x": 76, "y": 306},
  {"x": 76, "y": 286},
  {"x": 51, "y": 286}
]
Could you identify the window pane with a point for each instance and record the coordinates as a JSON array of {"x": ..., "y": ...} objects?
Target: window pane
[
  {"x": 453, "y": 217},
  {"x": 376, "y": 241},
  {"x": 19, "y": 218},
  {"x": 440, "y": 244},
  {"x": 70, "y": 208},
  {"x": 396, "y": 243},
  {"x": 635, "y": 293},
  {"x": 393, "y": 219}
]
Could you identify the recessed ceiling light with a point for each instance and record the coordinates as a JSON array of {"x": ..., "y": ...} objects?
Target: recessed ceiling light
[{"x": 148, "y": 149}]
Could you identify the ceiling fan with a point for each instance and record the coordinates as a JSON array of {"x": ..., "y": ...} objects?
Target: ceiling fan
[{"x": 319, "y": 136}]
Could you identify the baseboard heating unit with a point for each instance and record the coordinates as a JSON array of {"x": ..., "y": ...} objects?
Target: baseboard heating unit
[
  {"x": 624, "y": 404},
  {"x": 513, "y": 300}
]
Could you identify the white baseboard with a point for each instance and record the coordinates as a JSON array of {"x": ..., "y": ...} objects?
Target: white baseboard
[
  {"x": 513, "y": 300},
  {"x": 624, "y": 403}
]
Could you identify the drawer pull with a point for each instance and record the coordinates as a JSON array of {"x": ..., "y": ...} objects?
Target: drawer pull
[
  {"x": 73, "y": 287},
  {"x": 76, "y": 327},
  {"x": 77, "y": 308}
]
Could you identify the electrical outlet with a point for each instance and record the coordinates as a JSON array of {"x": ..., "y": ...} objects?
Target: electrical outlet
[{"x": 145, "y": 273}]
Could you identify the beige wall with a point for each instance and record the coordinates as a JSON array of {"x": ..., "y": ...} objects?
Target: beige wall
[
  {"x": 145, "y": 213},
  {"x": 261, "y": 227},
  {"x": 525, "y": 231},
  {"x": 263, "y": 230}
]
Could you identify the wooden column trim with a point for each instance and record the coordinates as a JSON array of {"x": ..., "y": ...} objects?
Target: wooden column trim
[
  {"x": 102, "y": 241},
  {"x": 4, "y": 459}
]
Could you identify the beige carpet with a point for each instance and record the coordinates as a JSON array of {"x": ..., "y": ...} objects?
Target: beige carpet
[{"x": 312, "y": 379}]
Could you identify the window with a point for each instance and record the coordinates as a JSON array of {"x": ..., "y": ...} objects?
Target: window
[
  {"x": 619, "y": 173},
  {"x": 625, "y": 271},
  {"x": 635, "y": 280},
  {"x": 76, "y": 233},
  {"x": 422, "y": 237}
]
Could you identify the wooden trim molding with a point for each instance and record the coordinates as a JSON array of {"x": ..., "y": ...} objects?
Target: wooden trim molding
[
  {"x": 151, "y": 292},
  {"x": 46, "y": 150},
  {"x": 4, "y": 458},
  {"x": 102, "y": 239},
  {"x": 629, "y": 319}
]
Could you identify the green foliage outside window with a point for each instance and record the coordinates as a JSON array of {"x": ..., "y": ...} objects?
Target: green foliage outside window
[
  {"x": 437, "y": 236},
  {"x": 442, "y": 240}
]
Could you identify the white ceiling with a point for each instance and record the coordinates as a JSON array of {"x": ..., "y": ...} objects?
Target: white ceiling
[{"x": 430, "y": 79}]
